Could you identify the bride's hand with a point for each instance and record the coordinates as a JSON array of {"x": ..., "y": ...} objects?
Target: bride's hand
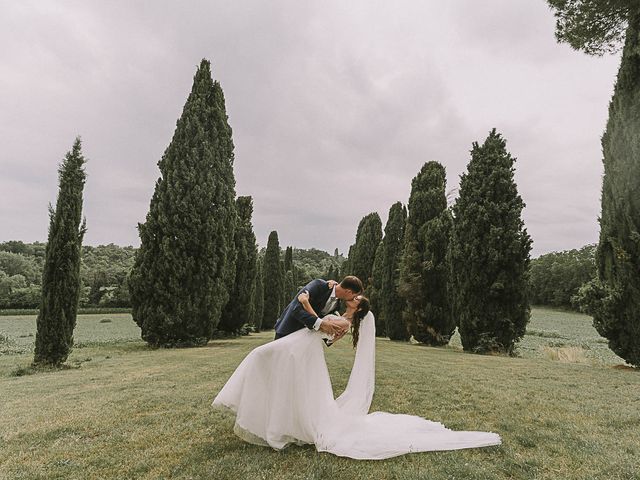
[
  {"x": 332, "y": 283},
  {"x": 303, "y": 297},
  {"x": 341, "y": 333}
]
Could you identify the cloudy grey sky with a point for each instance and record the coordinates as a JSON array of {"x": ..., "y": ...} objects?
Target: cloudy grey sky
[{"x": 335, "y": 106}]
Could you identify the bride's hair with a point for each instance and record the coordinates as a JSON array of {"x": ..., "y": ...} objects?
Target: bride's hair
[{"x": 361, "y": 311}]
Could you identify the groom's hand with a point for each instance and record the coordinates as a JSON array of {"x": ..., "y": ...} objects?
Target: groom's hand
[
  {"x": 329, "y": 328},
  {"x": 341, "y": 333}
]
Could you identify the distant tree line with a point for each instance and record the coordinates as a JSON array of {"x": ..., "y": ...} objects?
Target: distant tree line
[
  {"x": 104, "y": 272},
  {"x": 103, "y": 275},
  {"x": 556, "y": 277}
]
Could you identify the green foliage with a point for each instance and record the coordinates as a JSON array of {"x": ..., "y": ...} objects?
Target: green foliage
[
  {"x": 186, "y": 261},
  {"x": 290, "y": 288},
  {"x": 373, "y": 291},
  {"x": 614, "y": 298},
  {"x": 593, "y": 26},
  {"x": 362, "y": 252},
  {"x": 284, "y": 300},
  {"x": 104, "y": 271},
  {"x": 556, "y": 277},
  {"x": 312, "y": 263},
  {"x": 61, "y": 276},
  {"x": 345, "y": 268},
  {"x": 258, "y": 296},
  {"x": 288, "y": 259},
  {"x": 332, "y": 273},
  {"x": 21, "y": 264},
  {"x": 489, "y": 252},
  {"x": 391, "y": 302},
  {"x": 273, "y": 283},
  {"x": 238, "y": 309},
  {"x": 290, "y": 276},
  {"x": 423, "y": 271}
]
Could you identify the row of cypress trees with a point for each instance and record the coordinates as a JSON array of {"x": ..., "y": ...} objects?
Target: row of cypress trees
[{"x": 437, "y": 268}]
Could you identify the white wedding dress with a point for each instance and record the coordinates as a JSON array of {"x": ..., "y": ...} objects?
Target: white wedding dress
[{"x": 281, "y": 394}]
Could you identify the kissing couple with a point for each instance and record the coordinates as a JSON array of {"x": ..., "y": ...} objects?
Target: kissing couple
[{"x": 281, "y": 393}]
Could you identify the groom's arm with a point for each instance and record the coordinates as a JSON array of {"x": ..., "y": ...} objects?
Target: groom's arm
[{"x": 315, "y": 288}]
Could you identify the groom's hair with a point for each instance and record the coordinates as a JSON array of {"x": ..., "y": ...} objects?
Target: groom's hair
[{"x": 352, "y": 283}]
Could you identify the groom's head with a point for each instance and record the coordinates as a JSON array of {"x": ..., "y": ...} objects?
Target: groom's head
[{"x": 349, "y": 287}]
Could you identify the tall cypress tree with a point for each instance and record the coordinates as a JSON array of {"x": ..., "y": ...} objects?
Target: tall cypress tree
[
  {"x": 373, "y": 291},
  {"x": 331, "y": 273},
  {"x": 424, "y": 273},
  {"x": 346, "y": 269},
  {"x": 284, "y": 297},
  {"x": 288, "y": 259},
  {"x": 236, "y": 313},
  {"x": 362, "y": 252},
  {"x": 273, "y": 283},
  {"x": 186, "y": 261},
  {"x": 258, "y": 296},
  {"x": 489, "y": 252},
  {"x": 614, "y": 297},
  {"x": 289, "y": 287},
  {"x": 290, "y": 277},
  {"x": 391, "y": 303},
  {"x": 61, "y": 274}
]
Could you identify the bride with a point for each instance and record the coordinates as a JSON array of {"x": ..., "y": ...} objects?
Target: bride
[{"x": 281, "y": 394}]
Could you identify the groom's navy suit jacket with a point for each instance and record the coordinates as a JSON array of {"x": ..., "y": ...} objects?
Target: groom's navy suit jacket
[{"x": 295, "y": 316}]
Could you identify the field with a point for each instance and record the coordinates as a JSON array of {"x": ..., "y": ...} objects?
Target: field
[{"x": 124, "y": 411}]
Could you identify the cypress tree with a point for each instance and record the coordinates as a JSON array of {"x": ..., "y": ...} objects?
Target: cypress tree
[
  {"x": 331, "y": 274},
  {"x": 489, "y": 252},
  {"x": 273, "y": 283},
  {"x": 61, "y": 274},
  {"x": 362, "y": 252},
  {"x": 258, "y": 296},
  {"x": 290, "y": 277},
  {"x": 237, "y": 311},
  {"x": 423, "y": 274},
  {"x": 391, "y": 303},
  {"x": 613, "y": 299},
  {"x": 373, "y": 291},
  {"x": 346, "y": 269},
  {"x": 289, "y": 288},
  {"x": 288, "y": 259},
  {"x": 284, "y": 300},
  {"x": 186, "y": 261}
]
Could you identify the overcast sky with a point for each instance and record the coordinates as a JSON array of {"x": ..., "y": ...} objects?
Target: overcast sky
[{"x": 334, "y": 105}]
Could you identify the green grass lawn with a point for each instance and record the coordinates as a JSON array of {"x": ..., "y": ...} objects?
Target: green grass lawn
[{"x": 128, "y": 412}]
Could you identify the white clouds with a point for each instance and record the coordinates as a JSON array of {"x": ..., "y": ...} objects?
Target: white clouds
[{"x": 327, "y": 101}]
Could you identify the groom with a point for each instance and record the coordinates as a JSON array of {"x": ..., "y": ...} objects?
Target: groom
[{"x": 324, "y": 298}]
